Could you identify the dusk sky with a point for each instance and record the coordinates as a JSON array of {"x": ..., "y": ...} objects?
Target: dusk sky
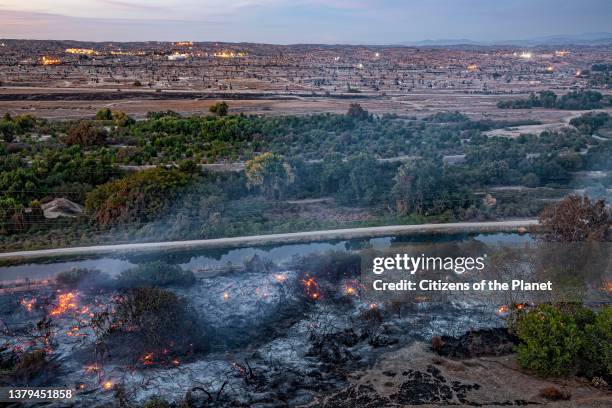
[{"x": 301, "y": 21}]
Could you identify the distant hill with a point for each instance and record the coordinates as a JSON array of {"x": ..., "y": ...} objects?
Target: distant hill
[{"x": 577, "y": 39}]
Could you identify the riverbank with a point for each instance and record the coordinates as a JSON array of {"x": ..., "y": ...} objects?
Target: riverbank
[{"x": 296, "y": 237}]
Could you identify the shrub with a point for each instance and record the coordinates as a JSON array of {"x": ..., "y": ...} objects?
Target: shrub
[
  {"x": 355, "y": 111},
  {"x": 153, "y": 320},
  {"x": 82, "y": 276},
  {"x": 551, "y": 341},
  {"x": 557, "y": 340},
  {"x": 576, "y": 219},
  {"x": 220, "y": 108},
  {"x": 598, "y": 348},
  {"x": 156, "y": 403},
  {"x": 156, "y": 274},
  {"x": 23, "y": 368},
  {"x": 104, "y": 114},
  {"x": 140, "y": 196},
  {"x": 85, "y": 134},
  {"x": 553, "y": 393}
]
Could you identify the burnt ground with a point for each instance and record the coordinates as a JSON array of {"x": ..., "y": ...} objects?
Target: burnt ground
[{"x": 416, "y": 376}]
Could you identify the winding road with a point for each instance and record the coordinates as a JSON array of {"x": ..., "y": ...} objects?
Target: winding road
[{"x": 294, "y": 237}]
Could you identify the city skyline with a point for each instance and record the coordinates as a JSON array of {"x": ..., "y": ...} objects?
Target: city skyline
[{"x": 302, "y": 21}]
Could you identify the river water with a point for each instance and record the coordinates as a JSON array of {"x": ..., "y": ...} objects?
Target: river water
[{"x": 223, "y": 258}]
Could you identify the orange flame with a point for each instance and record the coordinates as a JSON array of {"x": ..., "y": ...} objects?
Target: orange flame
[
  {"x": 312, "y": 288},
  {"x": 147, "y": 359},
  {"x": 28, "y": 303},
  {"x": 502, "y": 310},
  {"x": 66, "y": 302}
]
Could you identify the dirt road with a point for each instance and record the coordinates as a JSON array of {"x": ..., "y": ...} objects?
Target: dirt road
[{"x": 296, "y": 237}]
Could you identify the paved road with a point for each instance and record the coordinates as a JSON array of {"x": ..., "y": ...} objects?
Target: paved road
[{"x": 296, "y": 237}]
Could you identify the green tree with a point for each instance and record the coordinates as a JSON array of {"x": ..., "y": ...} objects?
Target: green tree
[
  {"x": 355, "y": 111},
  {"x": 219, "y": 108},
  {"x": 271, "y": 173},
  {"x": 104, "y": 114},
  {"x": 7, "y": 130}
]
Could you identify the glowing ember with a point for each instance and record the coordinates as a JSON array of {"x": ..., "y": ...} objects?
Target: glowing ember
[
  {"x": 226, "y": 296},
  {"x": 92, "y": 368},
  {"x": 147, "y": 359},
  {"x": 66, "y": 302},
  {"x": 280, "y": 278},
  {"x": 176, "y": 362},
  {"x": 74, "y": 332},
  {"x": 312, "y": 288},
  {"x": 28, "y": 304},
  {"x": 502, "y": 310},
  {"x": 373, "y": 305},
  {"x": 349, "y": 290},
  {"x": 607, "y": 287},
  {"x": 107, "y": 385}
]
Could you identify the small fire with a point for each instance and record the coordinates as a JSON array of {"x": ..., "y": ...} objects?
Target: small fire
[
  {"x": 472, "y": 68},
  {"x": 312, "y": 288},
  {"x": 147, "y": 359},
  {"x": 74, "y": 332},
  {"x": 349, "y": 290},
  {"x": 373, "y": 306},
  {"x": 550, "y": 68},
  {"x": 28, "y": 304},
  {"x": 107, "y": 385},
  {"x": 92, "y": 368},
  {"x": 66, "y": 302},
  {"x": 607, "y": 287},
  {"x": 502, "y": 310},
  {"x": 176, "y": 362},
  {"x": 226, "y": 296}
]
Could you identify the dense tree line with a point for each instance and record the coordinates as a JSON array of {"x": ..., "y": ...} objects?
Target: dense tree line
[
  {"x": 574, "y": 100},
  {"x": 287, "y": 158}
]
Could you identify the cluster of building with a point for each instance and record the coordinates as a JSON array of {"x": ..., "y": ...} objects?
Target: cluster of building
[{"x": 299, "y": 68}]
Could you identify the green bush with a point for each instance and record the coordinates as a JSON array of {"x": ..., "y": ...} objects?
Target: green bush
[
  {"x": 598, "y": 347},
  {"x": 558, "y": 340},
  {"x": 156, "y": 274},
  {"x": 551, "y": 341}
]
